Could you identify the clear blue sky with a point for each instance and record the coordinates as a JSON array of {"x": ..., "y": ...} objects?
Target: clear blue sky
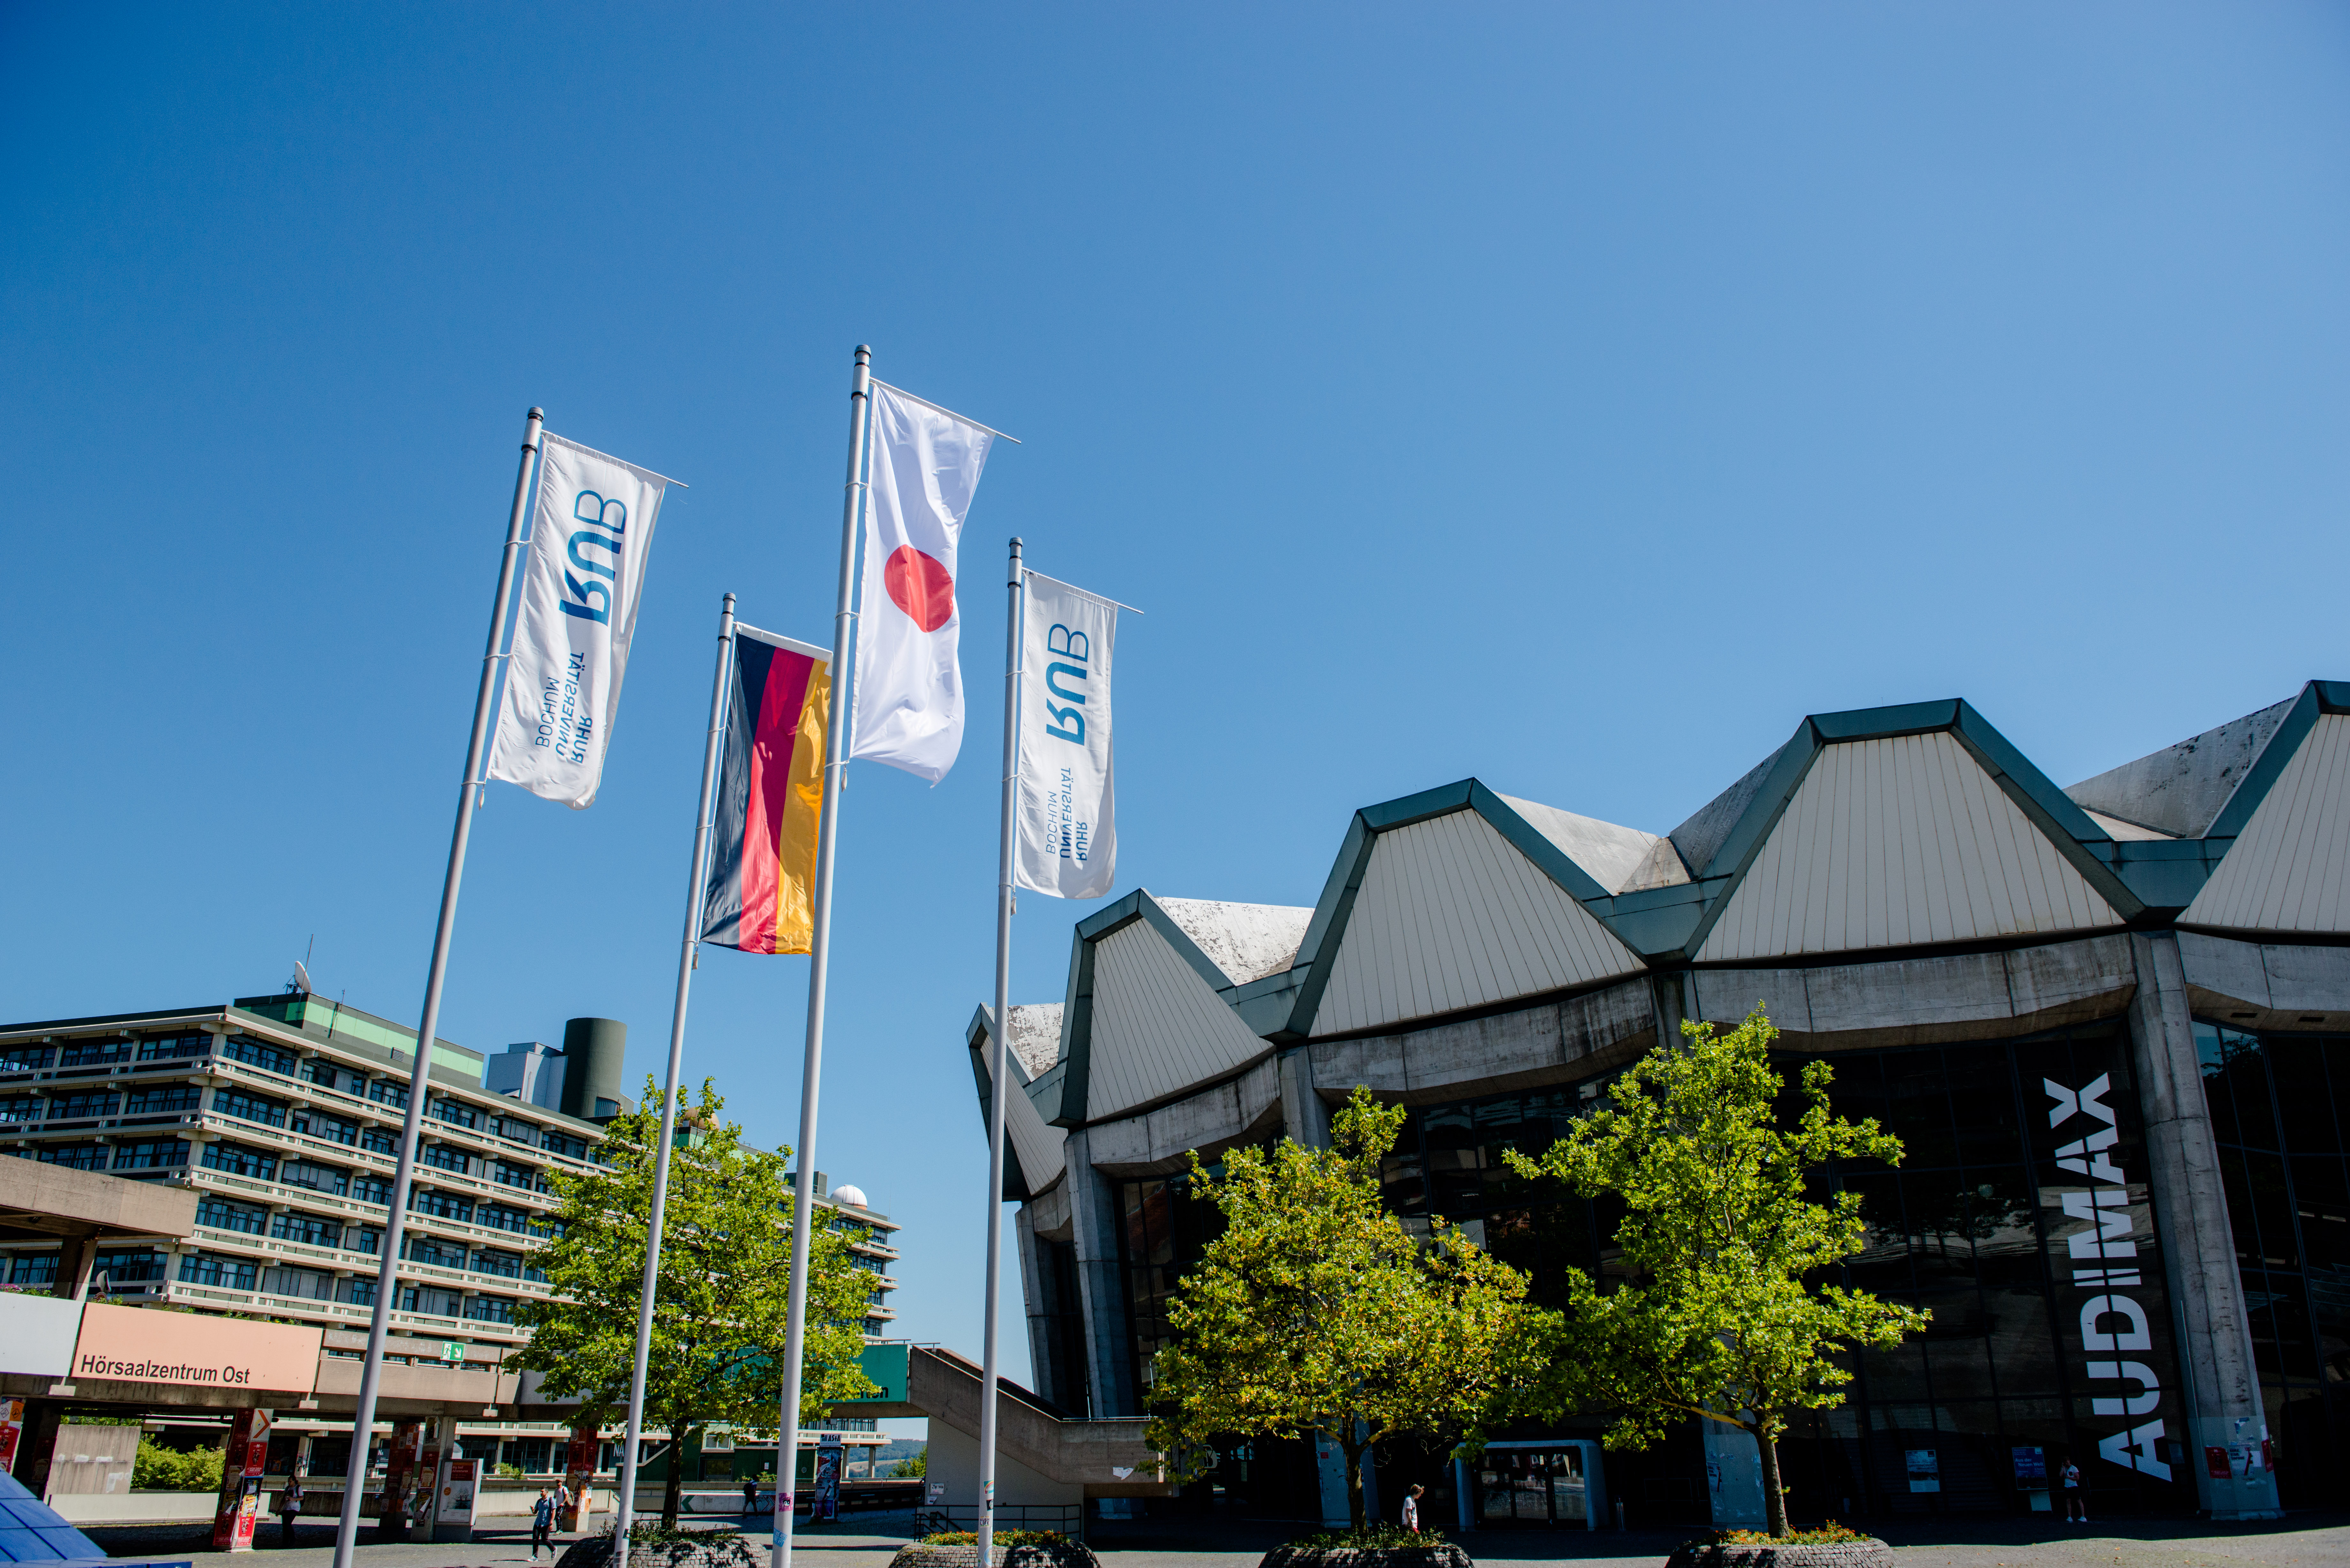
[{"x": 1571, "y": 396}]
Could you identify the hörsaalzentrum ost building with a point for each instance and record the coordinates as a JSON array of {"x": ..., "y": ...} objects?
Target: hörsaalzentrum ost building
[{"x": 2110, "y": 1023}]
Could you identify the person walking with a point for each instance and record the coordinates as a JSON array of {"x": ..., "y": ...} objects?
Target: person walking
[
  {"x": 750, "y": 1495},
  {"x": 542, "y": 1525},
  {"x": 566, "y": 1503},
  {"x": 1411, "y": 1507},
  {"x": 2076, "y": 1506},
  {"x": 289, "y": 1509}
]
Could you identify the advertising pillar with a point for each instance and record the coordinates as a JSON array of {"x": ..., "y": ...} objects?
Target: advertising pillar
[
  {"x": 826, "y": 1506},
  {"x": 240, "y": 1472},
  {"x": 579, "y": 1475},
  {"x": 460, "y": 1485},
  {"x": 399, "y": 1479}
]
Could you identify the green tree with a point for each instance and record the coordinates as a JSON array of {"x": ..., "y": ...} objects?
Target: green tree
[
  {"x": 1716, "y": 1320},
  {"x": 913, "y": 1464},
  {"x": 1316, "y": 1311},
  {"x": 720, "y": 1299}
]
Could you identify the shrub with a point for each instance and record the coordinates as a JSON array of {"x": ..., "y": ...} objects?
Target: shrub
[
  {"x": 1003, "y": 1538},
  {"x": 649, "y": 1533},
  {"x": 1370, "y": 1537},
  {"x": 1819, "y": 1536},
  {"x": 159, "y": 1469}
]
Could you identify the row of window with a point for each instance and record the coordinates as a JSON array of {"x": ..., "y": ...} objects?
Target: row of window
[
  {"x": 250, "y": 1107},
  {"x": 146, "y": 1100},
  {"x": 314, "y": 1284}
]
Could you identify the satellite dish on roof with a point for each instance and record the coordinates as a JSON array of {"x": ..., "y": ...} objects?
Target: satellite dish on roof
[{"x": 301, "y": 978}]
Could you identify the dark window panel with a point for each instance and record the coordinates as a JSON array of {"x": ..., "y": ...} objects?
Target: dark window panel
[
  {"x": 2283, "y": 1345},
  {"x": 1919, "y": 1094},
  {"x": 2304, "y": 1103},
  {"x": 2271, "y": 1198},
  {"x": 1958, "y": 1345},
  {"x": 1938, "y": 1215}
]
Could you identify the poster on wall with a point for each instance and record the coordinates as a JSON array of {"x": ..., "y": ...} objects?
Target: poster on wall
[{"x": 1924, "y": 1468}]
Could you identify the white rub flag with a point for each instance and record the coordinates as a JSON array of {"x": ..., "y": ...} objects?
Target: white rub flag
[
  {"x": 580, "y": 586},
  {"x": 909, "y": 700},
  {"x": 1069, "y": 829}
]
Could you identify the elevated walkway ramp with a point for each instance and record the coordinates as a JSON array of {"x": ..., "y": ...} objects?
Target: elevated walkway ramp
[{"x": 1045, "y": 1455}]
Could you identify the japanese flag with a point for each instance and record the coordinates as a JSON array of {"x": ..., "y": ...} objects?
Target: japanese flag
[{"x": 909, "y": 699}]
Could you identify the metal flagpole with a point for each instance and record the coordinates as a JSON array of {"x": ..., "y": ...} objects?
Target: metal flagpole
[
  {"x": 999, "y": 1069},
  {"x": 699, "y": 868},
  {"x": 787, "y": 1439},
  {"x": 421, "y": 1066}
]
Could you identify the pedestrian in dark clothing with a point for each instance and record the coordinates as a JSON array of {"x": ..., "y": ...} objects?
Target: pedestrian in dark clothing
[
  {"x": 542, "y": 1525},
  {"x": 750, "y": 1496},
  {"x": 289, "y": 1509}
]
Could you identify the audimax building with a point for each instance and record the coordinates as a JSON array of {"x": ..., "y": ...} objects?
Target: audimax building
[{"x": 2111, "y": 1024}]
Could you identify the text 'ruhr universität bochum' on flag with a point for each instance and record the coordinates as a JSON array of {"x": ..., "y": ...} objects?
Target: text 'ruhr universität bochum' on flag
[{"x": 770, "y": 803}]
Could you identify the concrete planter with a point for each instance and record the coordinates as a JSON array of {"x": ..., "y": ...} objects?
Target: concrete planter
[
  {"x": 1441, "y": 1554},
  {"x": 1068, "y": 1554},
  {"x": 1871, "y": 1553},
  {"x": 718, "y": 1549}
]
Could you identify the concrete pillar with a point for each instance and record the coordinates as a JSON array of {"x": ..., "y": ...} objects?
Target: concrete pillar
[
  {"x": 1668, "y": 1002},
  {"x": 1734, "y": 1478},
  {"x": 36, "y": 1444},
  {"x": 1305, "y": 1119},
  {"x": 76, "y": 1256},
  {"x": 1733, "y": 1464},
  {"x": 1035, "y": 1291},
  {"x": 1094, "y": 1223},
  {"x": 2223, "y": 1388},
  {"x": 1330, "y": 1469}
]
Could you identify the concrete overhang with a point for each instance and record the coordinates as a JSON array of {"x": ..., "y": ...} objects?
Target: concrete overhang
[{"x": 44, "y": 1202}]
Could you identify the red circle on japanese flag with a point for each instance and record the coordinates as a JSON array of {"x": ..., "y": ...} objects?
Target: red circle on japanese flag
[{"x": 919, "y": 585}]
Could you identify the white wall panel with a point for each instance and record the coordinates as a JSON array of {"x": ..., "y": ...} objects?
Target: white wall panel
[
  {"x": 1452, "y": 916},
  {"x": 1896, "y": 843},
  {"x": 1158, "y": 1026},
  {"x": 2287, "y": 871}
]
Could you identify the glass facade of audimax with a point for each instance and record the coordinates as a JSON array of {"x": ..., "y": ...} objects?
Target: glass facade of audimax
[
  {"x": 2278, "y": 1104},
  {"x": 2019, "y": 1216}
]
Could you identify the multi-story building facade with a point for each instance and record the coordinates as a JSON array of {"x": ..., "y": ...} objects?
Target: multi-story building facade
[{"x": 284, "y": 1113}]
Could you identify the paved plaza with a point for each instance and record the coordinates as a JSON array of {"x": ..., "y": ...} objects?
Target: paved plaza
[{"x": 2299, "y": 1541}]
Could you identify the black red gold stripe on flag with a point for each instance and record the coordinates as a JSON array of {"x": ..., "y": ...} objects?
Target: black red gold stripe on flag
[{"x": 770, "y": 799}]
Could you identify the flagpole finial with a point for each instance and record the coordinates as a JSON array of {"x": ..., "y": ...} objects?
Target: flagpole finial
[
  {"x": 538, "y": 413},
  {"x": 864, "y": 352}
]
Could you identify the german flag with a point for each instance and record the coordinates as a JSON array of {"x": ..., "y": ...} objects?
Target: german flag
[{"x": 770, "y": 800}]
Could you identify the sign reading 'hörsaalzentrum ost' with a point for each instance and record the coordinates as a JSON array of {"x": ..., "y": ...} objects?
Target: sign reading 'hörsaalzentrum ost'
[{"x": 132, "y": 1345}]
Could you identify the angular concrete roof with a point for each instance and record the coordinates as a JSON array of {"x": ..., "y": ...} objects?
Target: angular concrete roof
[
  {"x": 1897, "y": 828},
  {"x": 1247, "y": 941},
  {"x": 2180, "y": 790},
  {"x": 1617, "y": 857}
]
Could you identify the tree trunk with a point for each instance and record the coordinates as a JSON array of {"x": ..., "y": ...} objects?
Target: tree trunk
[
  {"x": 1774, "y": 1502},
  {"x": 1354, "y": 1452},
  {"x": 673, "y": 1491}
]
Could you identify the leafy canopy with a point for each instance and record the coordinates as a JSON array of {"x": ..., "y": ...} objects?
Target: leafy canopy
[
  {"x": 1316, "y": 1311},
  {"x": 722, "y": 1297},
  {"x": 1716, "y": 1320}
]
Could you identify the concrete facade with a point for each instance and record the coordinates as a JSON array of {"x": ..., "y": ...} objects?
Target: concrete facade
[{"x": 1890, "y": 880}]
